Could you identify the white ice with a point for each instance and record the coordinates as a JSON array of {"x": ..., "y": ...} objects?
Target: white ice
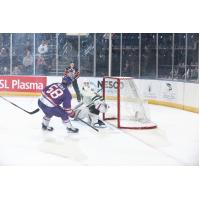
[{"x": 22, "y": 142}]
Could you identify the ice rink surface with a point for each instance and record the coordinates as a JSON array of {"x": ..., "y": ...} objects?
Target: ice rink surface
[{"x": 22, "y": 142}]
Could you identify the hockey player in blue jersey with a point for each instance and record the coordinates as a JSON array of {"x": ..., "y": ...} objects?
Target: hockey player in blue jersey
[{"x": 52, "y": 97}]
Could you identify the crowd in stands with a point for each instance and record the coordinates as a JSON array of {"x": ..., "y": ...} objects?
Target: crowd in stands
[
  {"x": 24, "y": 57},
  {"x": 4, "y": 61}
]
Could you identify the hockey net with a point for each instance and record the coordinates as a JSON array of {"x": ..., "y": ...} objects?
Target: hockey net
[{"x": 126, "y": 107}]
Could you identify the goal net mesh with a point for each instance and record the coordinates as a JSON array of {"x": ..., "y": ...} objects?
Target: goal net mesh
[{"x": 126, "y": 107}]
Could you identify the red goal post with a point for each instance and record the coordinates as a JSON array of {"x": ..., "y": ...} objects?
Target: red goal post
[{"x": 126, "y": 110}]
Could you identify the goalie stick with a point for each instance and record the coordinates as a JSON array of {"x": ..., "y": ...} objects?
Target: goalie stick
[
  {"x": 88, "y": 124},
  {"x": 32, "y": 112},
  {"x": 82, "y": 121}
]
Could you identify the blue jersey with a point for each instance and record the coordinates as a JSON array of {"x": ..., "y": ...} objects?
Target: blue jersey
[{"x": 57, "y": 94}]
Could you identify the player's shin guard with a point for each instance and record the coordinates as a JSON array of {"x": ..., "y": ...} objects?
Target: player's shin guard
[
  {"x": 45, "y": 124},
  {"x": 70, "y": 128}
]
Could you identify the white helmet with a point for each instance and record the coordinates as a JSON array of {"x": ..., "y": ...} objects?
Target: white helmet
[{"x": 86, "y": 83}]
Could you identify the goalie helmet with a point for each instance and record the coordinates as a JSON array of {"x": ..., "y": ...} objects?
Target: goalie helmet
[
  {"x": 89, "y": 86},
  {"x": 86, "y": 84}
]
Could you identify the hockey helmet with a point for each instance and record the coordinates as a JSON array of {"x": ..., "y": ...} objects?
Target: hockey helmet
[{"x": 66, "y": 80}]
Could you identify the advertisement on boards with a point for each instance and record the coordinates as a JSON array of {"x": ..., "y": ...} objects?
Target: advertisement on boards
[
  {"x": 151, "y": 89},
  {"x": 22, "y": 84},
  {"x": 168, "y": 91}
]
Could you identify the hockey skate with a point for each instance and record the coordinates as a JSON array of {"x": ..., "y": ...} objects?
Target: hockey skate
[
  {"x": 47, "y": 128},
  {"x": 72, "y": 130},
  {"x": 99, "y": 124}
]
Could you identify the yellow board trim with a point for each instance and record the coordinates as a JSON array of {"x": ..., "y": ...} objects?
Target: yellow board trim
[
  {"x": 174, "y": 105},
  {"x": 151, "y": 101},
  {"x": 20, "y": 93}
]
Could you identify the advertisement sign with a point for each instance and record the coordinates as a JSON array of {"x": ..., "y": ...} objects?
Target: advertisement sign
[
  {"x": 169, "y": 91},
  {"x": 151, "y": 89},
  {"x": 94, "y": 82},
  {"x": 22, "y": 84},
  {"x": 160, "y": 92}
]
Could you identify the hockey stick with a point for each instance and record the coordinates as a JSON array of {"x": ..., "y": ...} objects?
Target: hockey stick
[
  {"x": 33, "y": 112},
  {"x": 99, "y": 90},
  {"x": 81, "y": 120},
  {"x": 88, "y": 124}
]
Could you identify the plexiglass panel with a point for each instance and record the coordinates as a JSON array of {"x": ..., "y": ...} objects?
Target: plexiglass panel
[
  {"x": 87, "y": 54},
  {"x": 102, "y": 44},
  {"x": 165, "y": 43},
  {"x": 130, "y": 54},
  {"x": 4, "y": 53},
  {"x": 22, "y": 54},
  {"x": 148, "y": 55},
  {"x": 45, "y": 53}
]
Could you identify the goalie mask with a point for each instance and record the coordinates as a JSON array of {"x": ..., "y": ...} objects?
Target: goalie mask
[
  {"x": 88, "y": 86},
  {"x": 86, "y": 83}
]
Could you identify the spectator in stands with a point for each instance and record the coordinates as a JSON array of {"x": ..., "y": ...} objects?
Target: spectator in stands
[
  {"x": 4, "y": 61},
  {"x": 41, "y": 65},
  {"x": 4, "y": 58},
  {"x": 14, "y": 58},
  {"x": 28, "y": 46},
  {"x": 5, "y": 71},
  {"x": 187, "y": 74},
  {"x": 28, "y": 62},
  {"x": 16, "y": 71},
  {"x": 194, "y": 72},
  {"x": 176, "y": 72},
  {"x": 182, "y": 72},
  {"x": 43, "y": 48},
  {"x": 126, "y": 70},
  {"x": 3, "y": 52}
]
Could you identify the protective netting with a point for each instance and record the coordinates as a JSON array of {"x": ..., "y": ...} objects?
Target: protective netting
[{"x": 126, "y": 107}]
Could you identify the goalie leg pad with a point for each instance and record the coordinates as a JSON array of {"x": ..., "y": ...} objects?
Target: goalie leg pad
[
  {"x": 81, "y": 113},
  {"x": 95, "y": 121}
]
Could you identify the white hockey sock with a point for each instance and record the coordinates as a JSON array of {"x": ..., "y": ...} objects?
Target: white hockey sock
[
  {"x": 46, "y": 121},
  {"x": 67, "y": 124}
]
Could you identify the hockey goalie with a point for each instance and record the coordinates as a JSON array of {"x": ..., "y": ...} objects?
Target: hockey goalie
[{"x": 91, "y": 107}]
